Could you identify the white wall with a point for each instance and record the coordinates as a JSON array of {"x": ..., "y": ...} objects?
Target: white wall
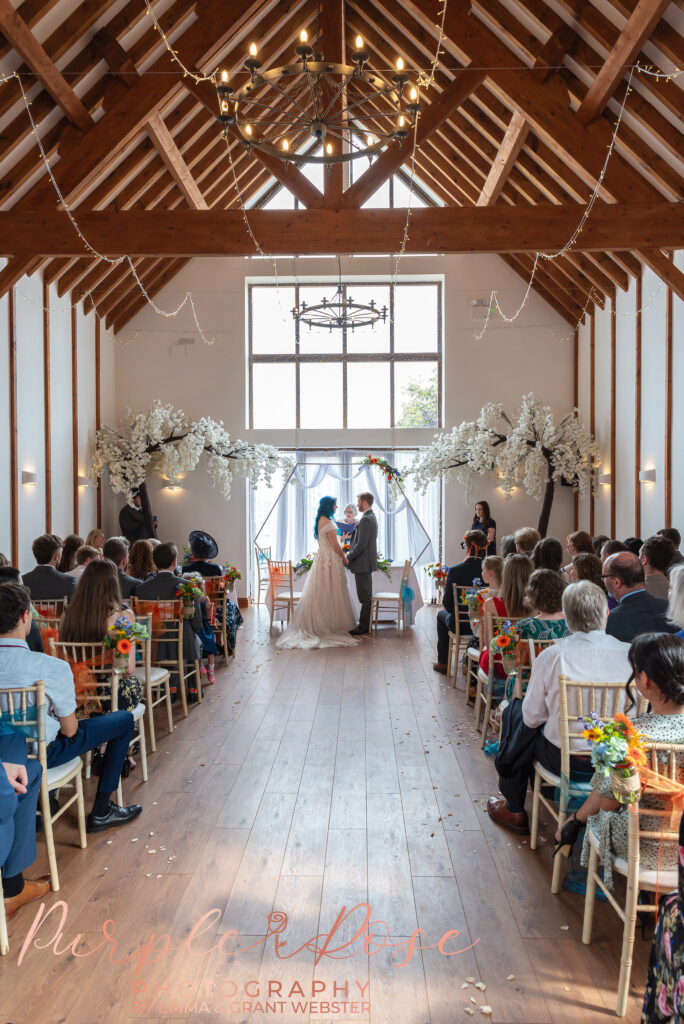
[
  {"x": 652, "y": 409},
  {"x": 31, "y": 416},
  {"x": 506, "y": 363}
]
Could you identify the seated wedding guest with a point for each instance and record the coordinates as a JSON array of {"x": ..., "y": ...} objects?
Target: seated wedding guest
[
  {"x": 544, "y": 598},
  {"x": 586, "y": 567},
  {"x": 84, "y": 556},
  {"x": 492, "y": 571},
  {"x": 637, "y": 611},
  {"x": 676, "y": 538},
  {"x": 587, "y": 654},
  {"x": 116, "y": 550},
  {"x": 663, "y": 981},
  {"x": 19, "y": 792},
  {"x": 598, "y": 543},
  {"x": 95, "y": 607},
  {"x": 510, "y": 603},
  {"x": 525, "y": 539},
  {"x": 45, "y": 582},
  {"x": 633, "y": 544},
  {"x": 612, "y": 547},
  {"x": 203, "y": 547},
  {"x": 163, "y": 587},
  {"x": 508, "y": 546},
  {"x": 548, "y": 554},
  {"x": 657, "y": 673},
  {"x": 350, "y": 521},
  {"x": 8, "y": 574},
  {"x": 95, "y": 539},
  {"x": 67, "y": 736},
  {"x": 140, "y": 561},
  {"x": 67, "y": 559},
  {"x": 656, "y": 557},
  {"x": 462, "y": 575},
  {"x": 675, "y": 609},
  {"x": 577, "y": 543},
  {"x": 482, "y": 520}
]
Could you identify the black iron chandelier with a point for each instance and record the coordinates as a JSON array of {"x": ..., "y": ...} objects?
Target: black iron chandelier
[
  {"x": 340, "y": 312},
  {"x": 350, "y": 110}
]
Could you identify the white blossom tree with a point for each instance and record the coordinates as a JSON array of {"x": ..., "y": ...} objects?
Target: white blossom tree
[
  {"x": 164, "y": 440},
  {"x": 527, "y": 450}
]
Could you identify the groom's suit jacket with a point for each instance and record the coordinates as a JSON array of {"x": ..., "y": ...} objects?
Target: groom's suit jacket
[{"x": 363, "y": 550}]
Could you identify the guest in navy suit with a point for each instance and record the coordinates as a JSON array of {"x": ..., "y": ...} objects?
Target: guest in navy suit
[
  {"x": 45, "y": 582},
  {"x": 637, "y": 611}
]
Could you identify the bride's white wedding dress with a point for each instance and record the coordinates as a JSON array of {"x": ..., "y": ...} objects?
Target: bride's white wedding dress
[{"x": 323, "y": 615}]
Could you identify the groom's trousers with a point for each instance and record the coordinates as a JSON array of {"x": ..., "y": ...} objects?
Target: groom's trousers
[{"x": 364, "y": 592}]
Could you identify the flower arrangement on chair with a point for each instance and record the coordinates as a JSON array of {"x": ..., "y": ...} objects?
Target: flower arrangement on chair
[
  {"x": 438, "y": 573},
  {"x": 505, "y": 644},
  {"x": 188, "y": 589},
  {"x": 121, "y": 638},
  {"x": 230, "y": 576},
  {"x": 617, "y": 751},
  {"x": 384, "y": 565}
]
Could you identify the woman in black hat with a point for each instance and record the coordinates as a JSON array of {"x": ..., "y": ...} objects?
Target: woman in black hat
[{"x": 202, "y": 548}]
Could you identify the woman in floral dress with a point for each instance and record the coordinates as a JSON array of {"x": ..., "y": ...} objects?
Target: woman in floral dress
[{"x": 664, "y": 997}]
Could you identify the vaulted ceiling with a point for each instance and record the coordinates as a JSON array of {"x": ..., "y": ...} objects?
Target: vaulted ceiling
[{"x": 522, "y": 112}]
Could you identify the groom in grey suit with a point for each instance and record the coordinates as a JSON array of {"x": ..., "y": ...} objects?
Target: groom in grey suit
[{"x": 362, "y": 559}]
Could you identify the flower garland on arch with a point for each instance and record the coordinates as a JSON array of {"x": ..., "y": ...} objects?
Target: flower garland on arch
[
  {"x": 528, "y": 450},
  {"x": 164, "y": 440}
]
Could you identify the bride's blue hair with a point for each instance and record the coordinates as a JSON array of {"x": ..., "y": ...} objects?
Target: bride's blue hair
[{"x": 325, "y": 508}]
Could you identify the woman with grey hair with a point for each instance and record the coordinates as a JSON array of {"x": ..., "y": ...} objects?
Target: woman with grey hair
[
  {"x": 349, "y": 523},
  {"x": 585, "y": 607},
  {"x": 675, "y": 609}
]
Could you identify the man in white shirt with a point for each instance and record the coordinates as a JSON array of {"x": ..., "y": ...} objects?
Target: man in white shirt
[
  {"x": 587, "y": 654},
  {"x": 67, "y": 737},
  {"x": 84, "y": 556}
]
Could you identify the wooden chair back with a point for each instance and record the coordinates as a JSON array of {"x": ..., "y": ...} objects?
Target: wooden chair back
[
  {"x": 667, "y": 761},
  {"x": 51, "y": 609},
  {"x": 263, "y": 557},
  {"x": 91, "y": 664},
  {"x": 577, "y": 700},
  {"x": 281, "y": 580},
  {"x": 24, "y": 711},
  {"x": 406, "y": 572},
  {"x": 167, "y": 628}
]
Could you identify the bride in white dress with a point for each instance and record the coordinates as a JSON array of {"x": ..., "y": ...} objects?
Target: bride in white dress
[{"x": 323, "y": 615}]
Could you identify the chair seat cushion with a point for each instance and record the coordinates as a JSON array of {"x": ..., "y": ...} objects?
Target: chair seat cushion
[
  {"x": 62, "y": 771},
  {"x": 663, "y": 881},
  {"x": 157, "y": 674},
  {"x": 386, "y": 595}
]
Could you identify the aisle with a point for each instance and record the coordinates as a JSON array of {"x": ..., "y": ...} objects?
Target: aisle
[{"x": 309, "y": 781}]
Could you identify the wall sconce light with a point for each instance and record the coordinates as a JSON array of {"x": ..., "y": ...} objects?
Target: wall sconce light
[
  {"x": 173, "y": 483},
  {"x": 83, "y": 481},
  {"x": 28, "y": 477},
  {"x": 647, "y": 476},
  {"x": 606, "y": 478}
]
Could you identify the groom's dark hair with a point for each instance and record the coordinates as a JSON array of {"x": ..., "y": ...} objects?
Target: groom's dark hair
[{"x": 367, "y": 497}]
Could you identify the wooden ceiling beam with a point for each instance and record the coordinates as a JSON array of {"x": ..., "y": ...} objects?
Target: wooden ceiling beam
[
  {"x": 175, "y": 164},
  {"x": 118, "y": 127},
  {"x": 513, "y": 142},
  {"x": 332, "y": 46},
  {"x": 31, "y": 233},
  {"x": 432, "y": 116},
  {"x": 15, "y": 29},
  {"x": 665, "y": 269}
]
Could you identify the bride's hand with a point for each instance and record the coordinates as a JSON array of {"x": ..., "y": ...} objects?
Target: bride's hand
[{"x": 345, "y": 560}]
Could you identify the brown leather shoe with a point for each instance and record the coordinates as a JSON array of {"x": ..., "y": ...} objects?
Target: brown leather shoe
[
  {"x": 514, "y": 821},
  {"x": 439, "y": 667},
  {"x": 33, "y": 889}
]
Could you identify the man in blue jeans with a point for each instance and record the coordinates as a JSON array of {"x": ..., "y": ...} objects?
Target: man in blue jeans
[
  {"x": 66, "y": 735},
  {"x": 19, "y": 791}
]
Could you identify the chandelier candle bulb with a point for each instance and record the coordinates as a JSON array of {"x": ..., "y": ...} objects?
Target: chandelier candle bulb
[
  {"x": 400, "y": 64},
  {"x": 252, "y": 49},
  {"x": 303, "y": 36},
  {"x": 359, "y": 43}
]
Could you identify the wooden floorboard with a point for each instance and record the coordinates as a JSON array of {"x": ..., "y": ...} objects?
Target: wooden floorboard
[{"x": 308, "y": 782}]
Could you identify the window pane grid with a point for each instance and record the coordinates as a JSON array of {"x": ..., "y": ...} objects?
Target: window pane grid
[{"x": 420, "y": 401}]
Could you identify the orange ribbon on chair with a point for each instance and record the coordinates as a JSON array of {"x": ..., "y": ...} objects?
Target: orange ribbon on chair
[
  {"x": 88, "y": 700},
  {"x": 670, "y": 790},
  {"x": 48, "y": 633}
]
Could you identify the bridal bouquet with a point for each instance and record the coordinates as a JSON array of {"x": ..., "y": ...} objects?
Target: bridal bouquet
[{"x": 617, "y": 751}]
